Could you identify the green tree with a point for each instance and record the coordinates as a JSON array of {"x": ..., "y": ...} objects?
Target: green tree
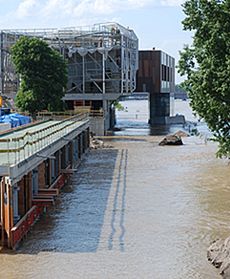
[
  {"x": 206, "y": 63},
  {"x": 43, "y": 75}
]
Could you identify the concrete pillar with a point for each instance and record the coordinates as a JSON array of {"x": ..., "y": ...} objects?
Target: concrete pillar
[
  {"x": 21, "y": 197},
  {"x": 2, "y": 198},
  {"x": 63, "y": 159},
  {"x": 87, "y": 138},
  {"x": 49, "y": 172},
  {"x": 25, "y": 194},
  {"x": 59, "y": 162},
  {"x": 159, "y": 108},
  {"x": 42, "y": 175},
  {"x": 35, "y": 181},
  {"x": 79, "y": 146},
  {"x": 52, "y": 163},
  {"x": 71, "y": 153},
  {"x": 16, "y": 216},
  {"x": 28, "y": 190},
  {"x": 66, "y": 155},
  {"x": 75, "y": 151}
]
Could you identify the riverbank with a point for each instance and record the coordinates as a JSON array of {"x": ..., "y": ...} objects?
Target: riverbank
[{"x": 137, "y": 210}]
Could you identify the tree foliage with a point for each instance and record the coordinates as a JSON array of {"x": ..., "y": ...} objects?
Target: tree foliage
[
  {"x": 206, "y": 63},
  {"x": 43, "y": 75}
]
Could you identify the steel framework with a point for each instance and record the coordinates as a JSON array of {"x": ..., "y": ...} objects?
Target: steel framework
[{"x": 102, "y": 59}]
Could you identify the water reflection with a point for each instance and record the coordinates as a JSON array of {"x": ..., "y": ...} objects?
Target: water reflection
[
  {"x": 121, "y": 183},
  {"x": 74, "y": 224}
]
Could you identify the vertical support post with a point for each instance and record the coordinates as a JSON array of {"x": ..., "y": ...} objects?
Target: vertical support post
[
  {"x": 83, "y": 74},
  {"x": 8, "y": 151},
  {"x": 103, "y": 73},
  {"x": 103, "y": 89},
  {"x": 2, "y": 190},
  {"x": 42, "y": 175},
  {"x": 71, "y": 152},
  {"x": 8, "y": 210},
  {"x": 15, "y": 202},
  {"x": 87, "y": 138},
  {"x": 19, "y": 150},
  {"x": 1, "y": 64},
  {"x": 50, "y": 172},
  {"x": 76, "y": 150},
  {"x": 11, "y": 213},
  {"x": 59, "y": 162},
  {"x": 79, "y": 146},
  {"x": 122, "y": 64},
  {"x": 28, "y": 191}
]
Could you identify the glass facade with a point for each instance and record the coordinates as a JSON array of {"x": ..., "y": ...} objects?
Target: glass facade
[
  {"x": 167, "y": 73},
  {"x": 165, "y": 86}
]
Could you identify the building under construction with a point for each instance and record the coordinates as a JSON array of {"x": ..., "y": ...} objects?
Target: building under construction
[{"x": 102, "y": 63}]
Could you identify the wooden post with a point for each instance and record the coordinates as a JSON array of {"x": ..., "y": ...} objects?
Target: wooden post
[
  {"x": 2, "y": 191},
  {"x": 7, "y": 211}
]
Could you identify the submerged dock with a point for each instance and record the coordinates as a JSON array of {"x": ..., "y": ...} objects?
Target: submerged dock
[{"x": 35, "y": 162}]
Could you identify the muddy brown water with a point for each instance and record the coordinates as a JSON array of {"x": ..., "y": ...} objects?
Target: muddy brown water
[{"x": 136, "y": 210}]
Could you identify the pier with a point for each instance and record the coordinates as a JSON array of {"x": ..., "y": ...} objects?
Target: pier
[{"x": 36, "y": 161}]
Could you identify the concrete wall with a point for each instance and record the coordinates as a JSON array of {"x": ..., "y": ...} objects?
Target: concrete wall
[
  {"x": 178, "y": 119},
  {"x": 97, "y": 126}
]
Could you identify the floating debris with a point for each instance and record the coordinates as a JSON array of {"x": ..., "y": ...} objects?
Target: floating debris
[{"x": 171, "y": 140}]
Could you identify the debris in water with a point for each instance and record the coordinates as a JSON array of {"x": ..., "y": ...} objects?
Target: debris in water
[
  {"x": 96, "y": 143},
  {"x": 171, "y": 140}
]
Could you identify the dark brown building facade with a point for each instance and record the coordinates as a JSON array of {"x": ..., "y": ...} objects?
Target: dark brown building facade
[{"x": 156, "y": 75}]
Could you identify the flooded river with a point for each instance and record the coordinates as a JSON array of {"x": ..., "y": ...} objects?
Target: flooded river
[{"x": 137, "y": 210}]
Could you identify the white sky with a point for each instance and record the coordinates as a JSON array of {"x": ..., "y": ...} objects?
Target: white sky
[{"x": 157, "y": 23}]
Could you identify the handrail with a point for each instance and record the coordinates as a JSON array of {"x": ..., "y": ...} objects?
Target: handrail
[
  {"x": 38, "y": 131},
  {"x": 68, "y": 113},
  {"x": 31, "y": 142},
  {"x": 79, "y": 111}
]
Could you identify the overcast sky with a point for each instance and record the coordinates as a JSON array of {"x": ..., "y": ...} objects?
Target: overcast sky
[{"x": 157, "y": 23}]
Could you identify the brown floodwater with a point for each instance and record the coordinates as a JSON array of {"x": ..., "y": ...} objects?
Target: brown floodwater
[{"x": 136, "y": 210}]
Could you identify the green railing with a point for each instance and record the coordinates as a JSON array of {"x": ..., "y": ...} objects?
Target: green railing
[{"x": 14, "y": 149}]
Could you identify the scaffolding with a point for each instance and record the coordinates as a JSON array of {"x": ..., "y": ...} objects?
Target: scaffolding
[{"x": 102, "y": 59}]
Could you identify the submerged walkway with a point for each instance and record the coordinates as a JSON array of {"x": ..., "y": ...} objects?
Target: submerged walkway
[{"x": 136, "y": 210}]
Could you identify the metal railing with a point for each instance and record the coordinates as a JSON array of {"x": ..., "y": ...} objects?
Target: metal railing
[
  {"x": 80, "y": 112},
  {"x": 60, "y": 115},
  {"x": 16, "y": 149}
]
